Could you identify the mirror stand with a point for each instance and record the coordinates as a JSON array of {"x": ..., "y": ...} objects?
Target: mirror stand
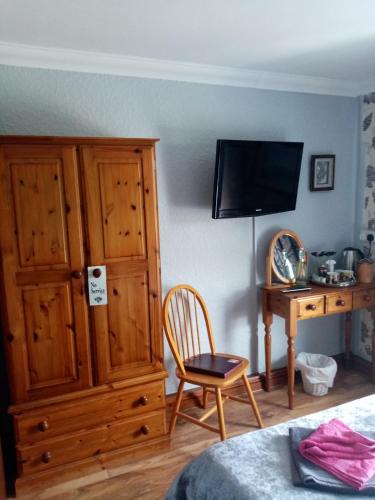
[{"x": 284, "y": 248}]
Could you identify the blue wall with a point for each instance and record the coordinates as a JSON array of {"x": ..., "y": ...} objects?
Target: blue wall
[{"x": 223, "y": 259}]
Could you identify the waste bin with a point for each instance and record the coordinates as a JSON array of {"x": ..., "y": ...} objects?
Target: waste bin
[{"x": 318, "y": 372}]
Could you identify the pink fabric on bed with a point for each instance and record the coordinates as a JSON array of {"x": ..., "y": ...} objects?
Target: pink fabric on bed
[{"x": 346, "y": 454}]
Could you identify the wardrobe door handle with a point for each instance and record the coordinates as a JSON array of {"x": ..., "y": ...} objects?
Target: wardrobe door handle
[
  {"x": 97, "y": 273},
  {"x": 311, "y": 307},
  {"x": 77, "y": 274}
]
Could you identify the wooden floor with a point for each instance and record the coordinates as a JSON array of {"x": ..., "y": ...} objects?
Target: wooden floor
[{"x": 148, "y": 477}]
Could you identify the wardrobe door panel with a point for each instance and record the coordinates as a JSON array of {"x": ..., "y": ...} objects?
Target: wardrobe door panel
[
  {"x": 128, "y": 322},
  {"x": 38, "y": 193},
  {"x": 45, "y": 312},
  {"x": 121, "y": 202},
  {"x": 49, "y": 329},
  {"x": 122, "y": 225}
]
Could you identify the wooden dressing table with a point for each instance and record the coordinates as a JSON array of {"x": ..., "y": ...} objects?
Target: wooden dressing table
[{"x": 318, "y": 302}]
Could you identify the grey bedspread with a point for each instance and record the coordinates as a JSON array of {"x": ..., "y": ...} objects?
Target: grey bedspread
[{"x": 257, "y": 465}]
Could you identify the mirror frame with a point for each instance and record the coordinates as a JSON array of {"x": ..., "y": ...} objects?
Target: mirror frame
[{"x": 271, "y": 268}]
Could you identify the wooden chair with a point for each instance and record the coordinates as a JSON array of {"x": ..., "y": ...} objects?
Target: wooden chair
[{"x": 184, "y": 312}]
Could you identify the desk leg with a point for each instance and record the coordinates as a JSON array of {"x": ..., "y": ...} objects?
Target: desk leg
[
  {"x": 291, "y": 369},
  {"x": 291, "y": 332},
  {"x": 348, "y": 338},
  {"x": 267, "y": 319}
]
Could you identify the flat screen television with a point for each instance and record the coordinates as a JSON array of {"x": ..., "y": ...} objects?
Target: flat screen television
[{"x": 255, "y": 178}]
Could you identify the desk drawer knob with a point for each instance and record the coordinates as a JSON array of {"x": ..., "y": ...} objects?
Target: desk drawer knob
[
  {"x": 43, "y": 426},
  {"x": 311, "y": 307},
  {"x": 46, "y": 457},
  {"x": 340, "y": 302},
  {"x": 143, "y": 400},
  {"x": 145, "y": 429}
]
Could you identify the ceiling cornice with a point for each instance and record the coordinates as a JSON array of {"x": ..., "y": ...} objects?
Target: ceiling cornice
[
  {"x": 366, "y": 86},
  {"x": 115, "y": 64}
]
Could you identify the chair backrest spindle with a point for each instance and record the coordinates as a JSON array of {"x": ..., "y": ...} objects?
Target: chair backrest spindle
[
  {"x": 183, "y": 309},
  {"x": 186, "y": 330},
  {"x": 197, "y": 325},
  {"x": 192, "y": 336}
]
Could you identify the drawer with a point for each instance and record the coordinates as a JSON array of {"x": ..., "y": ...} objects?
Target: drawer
[
  {"x": 339, "y": 302},
  {"x": 310, "y": 307},
  {"x": 59, "y": 451},
  {"x": 363, "y": 298},
  {"x": 36, "y": 425}
]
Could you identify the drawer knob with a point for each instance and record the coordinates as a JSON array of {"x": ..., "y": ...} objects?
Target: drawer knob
[
  {"x": 340, "y": 302},
  {"x": 77, "y": 275},
  {"x": 311, "y": 307},
  {"x": 43, "y": 426},
  {"x": 366, "y": 298},
  {"x": 143, "y": 400},
  {"x": 145, "y": 429},
  {"x": 46, "y": 457}
]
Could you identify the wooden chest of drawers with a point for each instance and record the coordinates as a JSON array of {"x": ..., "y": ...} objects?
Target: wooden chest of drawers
[
  {"x": 89, "y": 443},
  {"x": 37, "y": 425},
  {"x": 61, "y": 433},
  {"x": 85, "y": 376}
]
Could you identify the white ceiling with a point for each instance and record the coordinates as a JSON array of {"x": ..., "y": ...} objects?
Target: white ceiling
[{"x": 325, "y": 46}]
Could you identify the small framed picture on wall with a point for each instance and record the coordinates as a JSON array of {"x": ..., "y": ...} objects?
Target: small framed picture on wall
[{"x": 322, "y": 173}]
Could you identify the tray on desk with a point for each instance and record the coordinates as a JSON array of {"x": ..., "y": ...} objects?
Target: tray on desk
[{"x": 342, "y": 284}]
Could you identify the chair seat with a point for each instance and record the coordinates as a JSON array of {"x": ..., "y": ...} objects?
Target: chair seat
[{"x": 211, "y": 380}]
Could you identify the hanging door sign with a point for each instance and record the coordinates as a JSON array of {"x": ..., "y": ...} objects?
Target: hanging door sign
[{"x": 97, "y": 283}]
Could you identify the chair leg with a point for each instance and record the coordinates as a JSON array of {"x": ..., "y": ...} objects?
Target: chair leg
[
  {"x": 176, "y": 406},
  {"x": 204, "y": 399},
  {"x": 220, "y": 411},
  {"x": 252, "y": 400}
]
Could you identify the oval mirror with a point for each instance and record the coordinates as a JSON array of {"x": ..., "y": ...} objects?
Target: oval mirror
[{"x": 283, "y": 256}]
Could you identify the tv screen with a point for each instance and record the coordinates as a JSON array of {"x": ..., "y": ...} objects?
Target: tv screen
[{"x": 255, "y": 178}]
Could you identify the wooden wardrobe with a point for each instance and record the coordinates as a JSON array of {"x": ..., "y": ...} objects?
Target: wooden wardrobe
[{"x": 84, "y": 380}]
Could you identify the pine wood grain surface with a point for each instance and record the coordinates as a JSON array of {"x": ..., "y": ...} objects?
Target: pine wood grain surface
[{"x": 148, "y": 475}]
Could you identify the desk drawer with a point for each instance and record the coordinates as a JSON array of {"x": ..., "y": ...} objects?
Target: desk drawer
[
  {"x": 56, "y": 420},
  {"x": 363, "y": 298},
  {"x": 310, "y": 307},
  {"x": 339, "y": 302},
  {"x": 50, "y": 453}
]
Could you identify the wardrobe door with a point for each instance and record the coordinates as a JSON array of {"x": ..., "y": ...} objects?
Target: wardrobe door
[
  {"x": 44, "y": 305},
  {"x": 2, "y": 478},
  {"x": 121, "y": 208}
]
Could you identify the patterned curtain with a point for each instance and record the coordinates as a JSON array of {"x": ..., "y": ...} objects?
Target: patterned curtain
[{"x": 368, "y": 147}]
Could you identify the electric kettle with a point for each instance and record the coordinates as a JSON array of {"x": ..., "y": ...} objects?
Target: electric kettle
[{"x": 350, "y": 258}]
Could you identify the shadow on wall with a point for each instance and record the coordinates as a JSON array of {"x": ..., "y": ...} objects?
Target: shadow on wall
[
  {"x": 187, "y": 172},
  {"x": 242, "y": 305},
  {"x": 248, "y": 303},
  {"x": 39, "y": 119}
]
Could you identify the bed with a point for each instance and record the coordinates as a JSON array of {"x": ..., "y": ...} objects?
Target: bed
[{"x": 257, "y": 465}]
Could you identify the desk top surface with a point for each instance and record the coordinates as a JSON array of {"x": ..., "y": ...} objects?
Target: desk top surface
[{"x": 317, "y": 290}]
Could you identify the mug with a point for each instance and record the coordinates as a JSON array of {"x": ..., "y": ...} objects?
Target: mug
[
  {"x": 332, "y": 277},
  {"x": 346, "y": 274}
]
